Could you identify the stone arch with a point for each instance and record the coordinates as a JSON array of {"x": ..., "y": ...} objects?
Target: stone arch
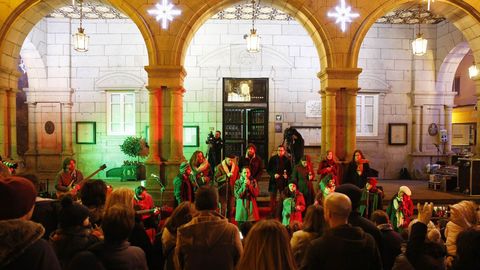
[
  {"x": 298, "y": 10},
  {"x": 34, "y": 64},
  {"x": 462, "y": 14},
  {"x": 446, "y": 73},
  {"x": 24, "y": 17}
]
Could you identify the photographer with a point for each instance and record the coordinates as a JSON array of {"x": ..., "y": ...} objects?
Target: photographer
[{"x": 215, "y": 145}]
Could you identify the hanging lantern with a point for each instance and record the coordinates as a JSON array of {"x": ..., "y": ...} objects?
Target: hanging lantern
[
  {"x": 419, "y": 45},
  {"x": 80, "y": 39},
  {"x": 253, "y": 41}
]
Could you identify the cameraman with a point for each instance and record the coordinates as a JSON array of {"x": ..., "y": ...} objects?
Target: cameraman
[{"x": 215, "y": 145}]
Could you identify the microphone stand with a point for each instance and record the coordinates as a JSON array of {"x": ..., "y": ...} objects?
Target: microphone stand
[{"x": 162, "y": 189}]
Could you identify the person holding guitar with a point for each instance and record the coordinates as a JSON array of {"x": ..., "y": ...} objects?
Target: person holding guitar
[{"x": 69, "y": 178}]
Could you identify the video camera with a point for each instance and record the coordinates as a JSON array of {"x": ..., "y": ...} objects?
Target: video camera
[{"x": 210, "y": 138}]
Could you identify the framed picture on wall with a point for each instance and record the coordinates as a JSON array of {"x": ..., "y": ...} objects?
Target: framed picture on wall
[
  {"x": 190, "y": 136},
  {"x": 86, "y": 132},
  {"x": 397, "y": 134}
]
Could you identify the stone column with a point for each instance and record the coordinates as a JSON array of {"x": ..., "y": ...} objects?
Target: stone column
[
  {"x": 12, "y": 109},
  {"x": 340, "y": 86},
  {"x": 4, "y": 124},
  {"x": 166, "y": 128},
  {"x": 323, "y": 98},
  {"x": 448, "y": 126},
  {"x": 416, "y": 129},
  {"x": 176, "y": 146},
  {"x": 67, "y": 131}
]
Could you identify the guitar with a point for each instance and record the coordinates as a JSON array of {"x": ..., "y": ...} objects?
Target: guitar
[{"x": 74, "y": 186}]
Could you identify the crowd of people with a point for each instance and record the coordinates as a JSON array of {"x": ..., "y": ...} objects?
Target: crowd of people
[{"x": 316, "y": 221}]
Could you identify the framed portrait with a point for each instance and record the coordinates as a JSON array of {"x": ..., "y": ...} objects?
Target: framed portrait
[
  {"x": 86, "y": 132},
  {"x": 190, "y": 136},
  {"x": 397, "y": 134}
]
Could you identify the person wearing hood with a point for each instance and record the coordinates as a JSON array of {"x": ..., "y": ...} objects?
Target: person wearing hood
[
  {"x": 21, "y": 243},
  {"x": 184, "y": 185},
  {"x": 208, "y": 241},
  {"x": 342, "y": 246},
  {"x": 252, "y": 161},
  {"x": 226, "y": 174}
]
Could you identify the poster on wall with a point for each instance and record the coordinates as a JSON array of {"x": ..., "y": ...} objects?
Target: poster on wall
[
  {"x": 313, "y": 108},
  {"x": 312, "y": 135},
  {"x": 190, "y": 136}
]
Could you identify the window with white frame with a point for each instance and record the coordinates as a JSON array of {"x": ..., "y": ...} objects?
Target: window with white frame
[
  {"x": 120, "y": 113},
  {"x": 367, "y": 114}
]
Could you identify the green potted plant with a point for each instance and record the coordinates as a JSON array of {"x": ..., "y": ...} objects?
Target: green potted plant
[{"x": 135, "y": 147}]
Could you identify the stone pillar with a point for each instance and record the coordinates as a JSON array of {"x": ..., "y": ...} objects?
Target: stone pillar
[
  {"x": 4, "y": 124},
  {"x": 166, "y": 128},
  {"x": 67, "y": 131},
  {"x": 340, "y": 86},
  {"x": 12, "y": 110},
  {"x": 32, "y": 130},
  {"x": 416, "y": 129},
  {"x": 323, "y": 149},
  {"x": 448, "y": 126},
  {"x": 176, "y": 146}
]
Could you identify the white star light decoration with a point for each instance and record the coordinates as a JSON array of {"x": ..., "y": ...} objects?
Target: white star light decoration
[
  {"x": 343, "y": 15},
  {"x": 164, "y": 12}
]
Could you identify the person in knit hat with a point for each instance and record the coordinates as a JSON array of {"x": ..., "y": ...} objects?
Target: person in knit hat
[
  {"x": 293, "y": 205},
  {"x": 74, "y": 233},
  {"x": 21, "y": 243},
  {"x": 184, "y": 185}
]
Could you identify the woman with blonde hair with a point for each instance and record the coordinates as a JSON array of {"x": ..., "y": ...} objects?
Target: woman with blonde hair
[
  {"x": 267, "y": 246},
  {"x": 122, "y": 196}
]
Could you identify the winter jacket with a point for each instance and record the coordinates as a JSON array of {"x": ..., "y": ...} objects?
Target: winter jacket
[
  {"x": 208, "y": 241},
  {"x": 343, "y": 247},
  {"x": 246, "y": 208},
  {"x": 22, "y": 246}
]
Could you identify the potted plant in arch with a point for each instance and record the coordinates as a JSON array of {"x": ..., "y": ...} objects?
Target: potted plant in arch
[{"x": 135, "y": 147}]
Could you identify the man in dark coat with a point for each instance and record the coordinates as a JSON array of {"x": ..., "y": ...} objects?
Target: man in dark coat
[
  {"x": 279, "y": 168},
  {"x": 391, "y": 240},
  {"x": 252, "y": 161},
  {"x": 342, "y": 246}
]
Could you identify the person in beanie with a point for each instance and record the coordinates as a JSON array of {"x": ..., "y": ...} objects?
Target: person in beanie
[
  {"x": 21, "y": 243},
  {"x": 184, "y": 185},
  {"x": 74, "y": 233},
  {"x": 252, "y": 161}
]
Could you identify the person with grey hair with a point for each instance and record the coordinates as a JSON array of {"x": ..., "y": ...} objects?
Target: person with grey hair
[{"x": 341, "y": 241}]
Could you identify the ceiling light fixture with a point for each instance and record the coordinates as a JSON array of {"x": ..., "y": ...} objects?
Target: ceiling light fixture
[
  {"x": 164, "y": 12},
  {"x": 80, "y": 39},
  {"x": 419, "y": 45},
  {"x": 253, "y": 40}
]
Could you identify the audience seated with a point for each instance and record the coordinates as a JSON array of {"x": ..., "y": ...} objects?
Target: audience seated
[
  {"x": 208, "y": 241},
  {"x": 267, "y": 247},
  {"x": 21, "y": 243},
  {"x": 468, "y": 250}
]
